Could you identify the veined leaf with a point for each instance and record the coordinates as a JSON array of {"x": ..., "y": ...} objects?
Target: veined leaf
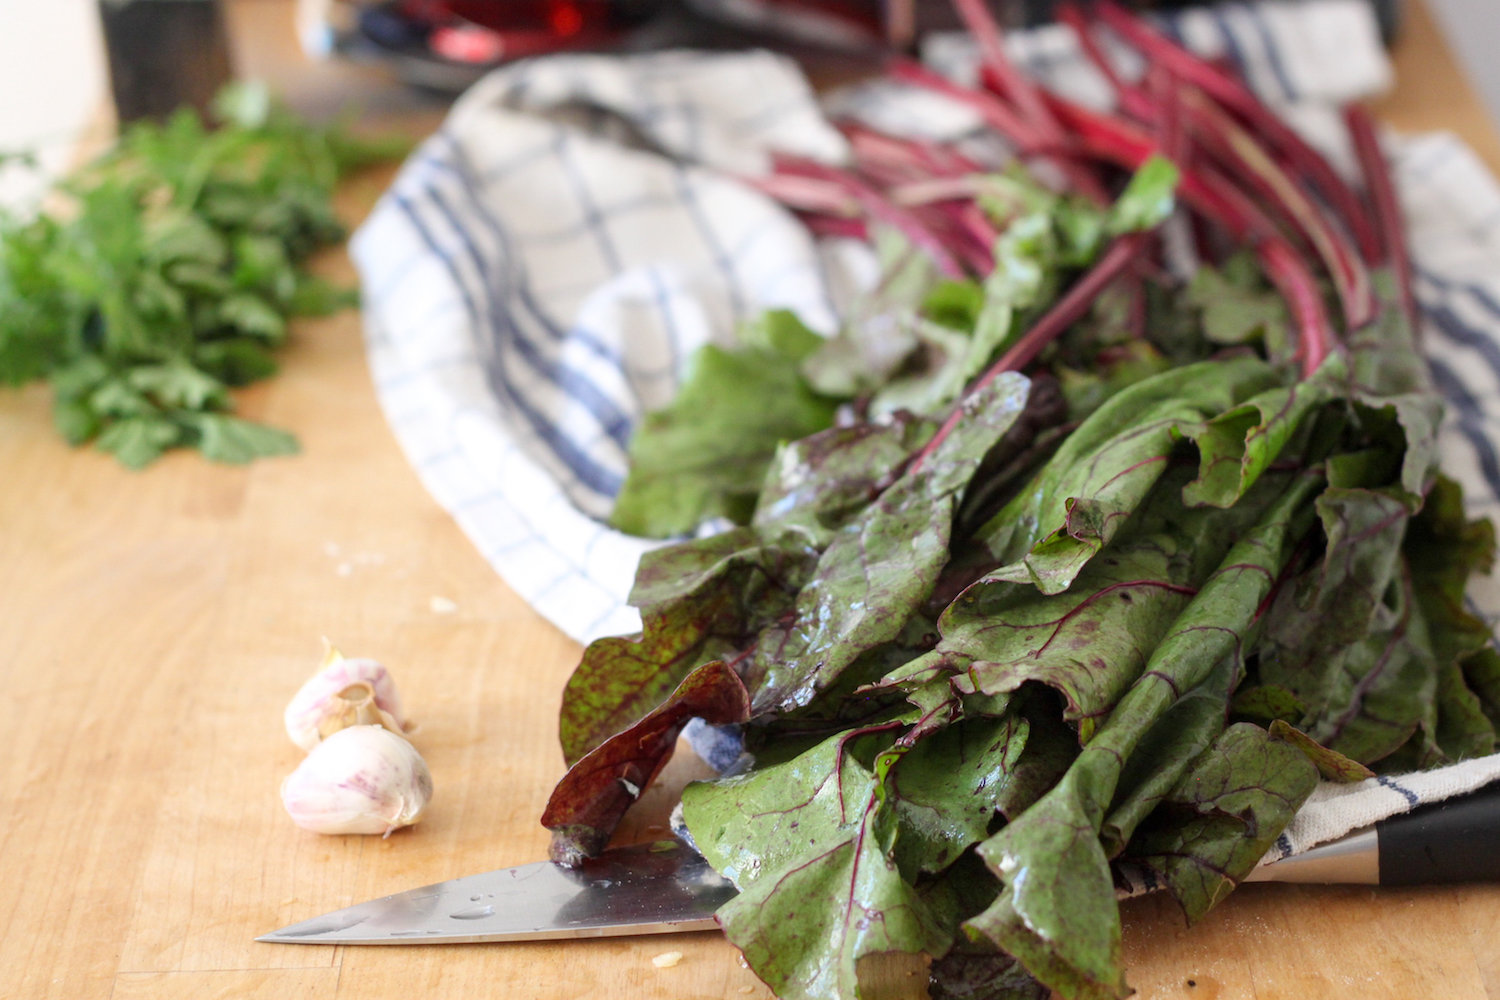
[{"x": 705, "y": 455}]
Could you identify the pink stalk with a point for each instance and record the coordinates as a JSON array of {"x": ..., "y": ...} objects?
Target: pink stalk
[
  {"x": 996, "y": 113},
  {"x": 935, "y": 189},
  {"x": 881, "y": 208},
  {"x": 1243, "y": 154},
  {"x": 1218, "y": 199},
  {"x": 963, "y": 241},
  {"x": 805, "y": 194},
  {"x": 1066, "y": 311},
  {"x": 1238, "y": 98},
  {"x": 1174, "y": 137},
  {"x": 978, "y": 223},
  {"x": 835, "y": 226},
  {"x": 1026, "y": 94},
  {"x": 928, "y": 158},
  {"x": 1297, "y": 287},
  {"x": 1132, "y": 101},
  {"x": 1382, "y": 189}
]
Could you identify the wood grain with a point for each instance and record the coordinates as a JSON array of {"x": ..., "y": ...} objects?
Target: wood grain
[{"x": 155, "y": 624}]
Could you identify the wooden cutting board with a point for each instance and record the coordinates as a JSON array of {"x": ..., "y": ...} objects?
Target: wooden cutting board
[{"x": 155, "y": 624}]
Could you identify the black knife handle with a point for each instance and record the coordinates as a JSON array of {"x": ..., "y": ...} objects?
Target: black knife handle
[{"x": 1456, "y": 840}]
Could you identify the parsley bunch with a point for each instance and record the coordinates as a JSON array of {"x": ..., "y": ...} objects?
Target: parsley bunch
[{"x": 165, "y": 272}]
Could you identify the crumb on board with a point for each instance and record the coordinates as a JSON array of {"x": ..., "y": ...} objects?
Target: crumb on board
[
  {"x": 666, "y": 959},
  {"x": 441, "y": 605}
]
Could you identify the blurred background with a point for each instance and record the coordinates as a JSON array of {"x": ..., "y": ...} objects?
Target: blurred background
[{"x": 70, "y": 68}]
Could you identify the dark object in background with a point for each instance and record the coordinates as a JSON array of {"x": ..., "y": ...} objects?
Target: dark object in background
[
  {"x": 931, "y": 15},
  {"x": 164, "y": 54},
  {"x": 446, "y": 45}
]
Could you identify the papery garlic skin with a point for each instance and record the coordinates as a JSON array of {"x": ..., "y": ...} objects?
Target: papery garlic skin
[
  {"x": 318, "y": 709},
  {"x": 364, "y": 779}
]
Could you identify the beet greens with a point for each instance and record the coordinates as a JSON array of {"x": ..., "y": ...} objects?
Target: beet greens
[{"x": 1052, "y": 560}]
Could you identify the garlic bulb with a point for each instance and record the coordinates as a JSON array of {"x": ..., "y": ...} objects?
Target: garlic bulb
[
  {"x": 343, "y": 693},
  {"x": 363, "y": 779}
]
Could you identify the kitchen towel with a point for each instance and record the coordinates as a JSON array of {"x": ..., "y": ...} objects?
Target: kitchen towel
[{"x": 544, "y": 263}]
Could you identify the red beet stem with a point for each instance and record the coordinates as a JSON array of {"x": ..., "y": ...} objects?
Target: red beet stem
[
  {"x": 1382, "y": 189},
  {"x": 995, "y": 112},
  {"x": 1239, "y": 151},
  {"x": 1238, "y": 98},
  {"x": 881, "y": 208}
]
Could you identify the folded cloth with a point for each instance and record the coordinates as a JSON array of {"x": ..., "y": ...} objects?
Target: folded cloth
[{"x": 544, "y": 264}]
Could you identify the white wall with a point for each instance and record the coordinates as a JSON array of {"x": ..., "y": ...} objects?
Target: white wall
[{"x": 53, "y": 85}]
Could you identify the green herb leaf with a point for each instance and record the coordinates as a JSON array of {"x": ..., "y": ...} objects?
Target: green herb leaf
[
  {"x": 171, "y": 265},
  {"x": 226, "y": 438}
]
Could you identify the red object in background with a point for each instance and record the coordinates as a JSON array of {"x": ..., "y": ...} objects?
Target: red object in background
[
  {"x": 487, "y": 31},
  {"x": 559, "y": 18}
]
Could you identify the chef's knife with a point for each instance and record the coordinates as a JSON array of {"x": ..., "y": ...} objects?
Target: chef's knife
[{"x": 667, "y": 886}]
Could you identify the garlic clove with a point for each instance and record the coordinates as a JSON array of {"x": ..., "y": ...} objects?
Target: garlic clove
[
  {"x": 323, "y": 704},
  {"x": 354, "y": 706},
  {"x": 363, "y": 779}
]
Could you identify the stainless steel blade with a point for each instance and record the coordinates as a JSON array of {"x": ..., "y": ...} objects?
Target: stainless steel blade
[{"x": 645, "y": 889}]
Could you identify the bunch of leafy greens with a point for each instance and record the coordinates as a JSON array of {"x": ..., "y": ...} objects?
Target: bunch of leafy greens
[
  {"x": 997, "y": 636},
  {"x": 165, "y": 272}
]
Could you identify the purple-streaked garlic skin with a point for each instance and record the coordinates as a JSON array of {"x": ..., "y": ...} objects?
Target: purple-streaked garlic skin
[
  {"x": 363, "y": 779},
  {"x": 318, "y": 709}
]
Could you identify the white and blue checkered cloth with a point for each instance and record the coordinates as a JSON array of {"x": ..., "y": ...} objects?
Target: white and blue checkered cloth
[{"x": 544, "y": 264}]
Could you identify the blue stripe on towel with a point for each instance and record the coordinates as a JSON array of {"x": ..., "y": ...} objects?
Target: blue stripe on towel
[
  {"x": 1406, "y": 793},
  {"x": 1469, "y": 421},
  {"x": 577, "y": 387},
  {"x": 579, "y": 464},
  {"x": 1272, "y": 50}
]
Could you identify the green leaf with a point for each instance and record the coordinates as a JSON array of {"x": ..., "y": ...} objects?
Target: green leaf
[
  {"x": 1342, "y": 638},
  {"x": 253, "y": 316},
  {"x": 699, "y": 600},
  {"x": 1238, "y": 307},
  {"x": 180, "y": 238},
  {"x": 803, "y": 841},
  {"x": 74, "y": 419},
  {"x": 1056, "y": 912},
  {"x": 315, "y": 296},
  {"x": 116, "y": 397},
  {"x": 1107, "y": 466},
  {"x": 229, "y": 439},
  {"x": 261, "y": 265},
  {"x": 178, "y": 385},
  {"x": 235, "y": 361},
  {"x": 1147, "y": 201},
  {"x": 954, "y": 303},
  {"x": 137, "y": 441},
  {"x": 818, "y": 483},
  {"x": 247, "y": 104},
  {"x": 880, "y": 568},
  {"x": 1224, "y": 815},
  {"x": 705, "y": 455},
  {"x": 1236, "y": 446},
  {"x": 948, "y": 788},
  {"x": 1331, "y": 765}
]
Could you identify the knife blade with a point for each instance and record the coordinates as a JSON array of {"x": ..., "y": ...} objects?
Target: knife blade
[
  {"x": 654, "y": 888},
  {"x": 667, "y": 886}
]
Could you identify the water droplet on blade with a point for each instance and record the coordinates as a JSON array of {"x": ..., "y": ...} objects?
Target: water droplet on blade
[{"x": 474, "y": 913}]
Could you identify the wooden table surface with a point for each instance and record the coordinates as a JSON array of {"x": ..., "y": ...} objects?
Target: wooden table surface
[{"x": 156, "y": 623}]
